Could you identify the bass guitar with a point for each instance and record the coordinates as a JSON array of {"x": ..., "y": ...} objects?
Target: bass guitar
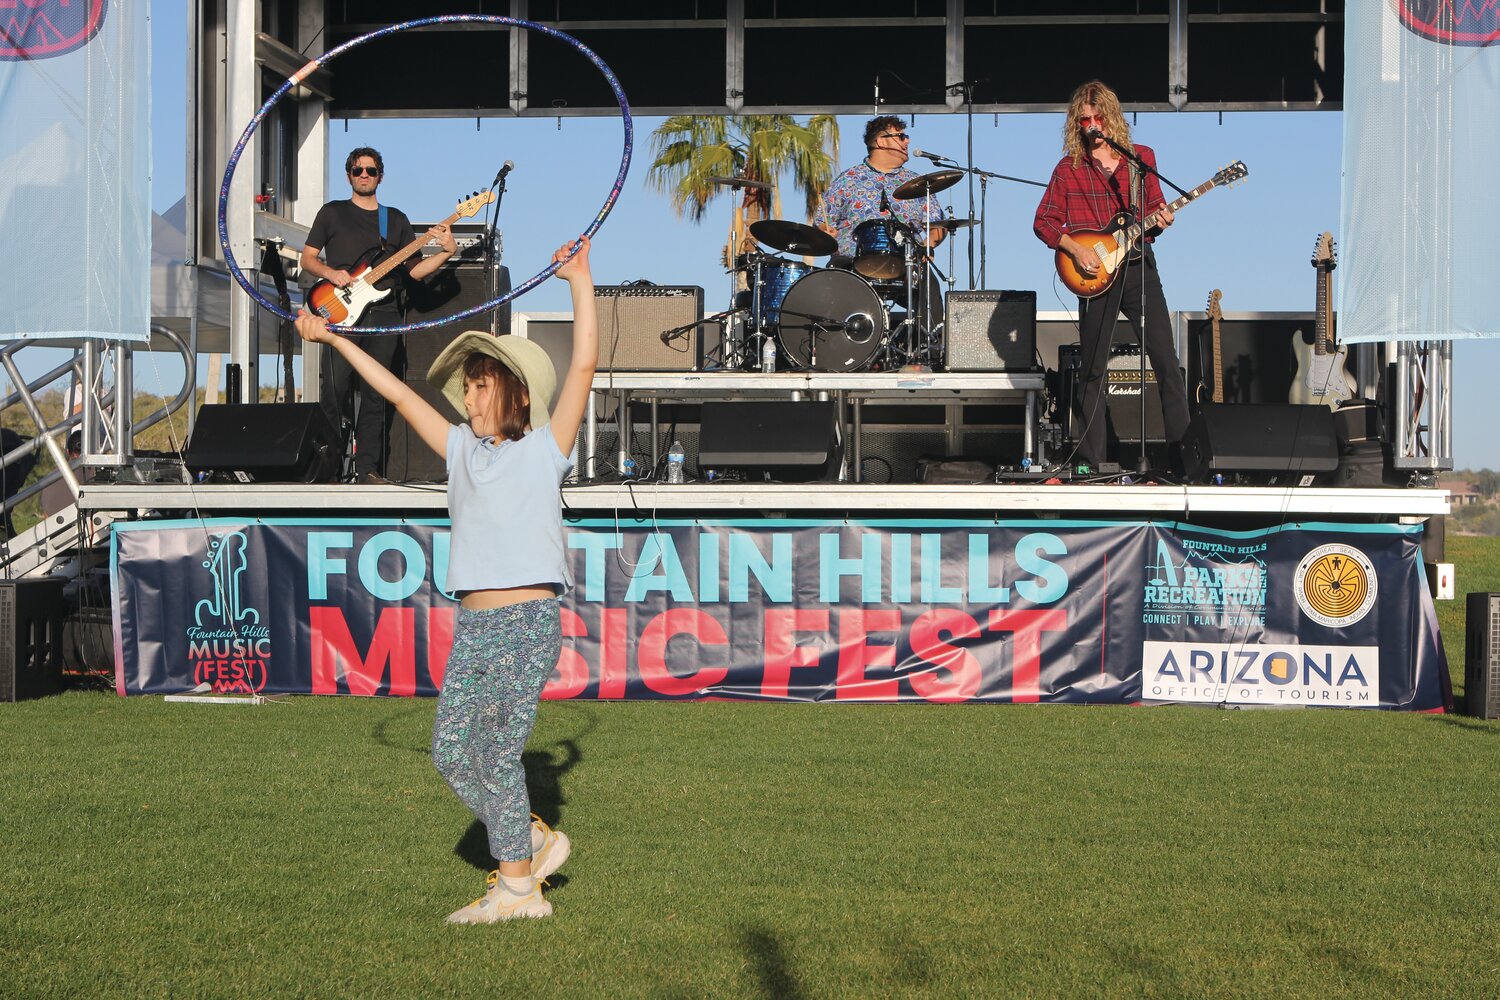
[
  {"x": 1115, "y": 245},
  {"x": 342, "y": 307},
  {"x": 1321, "y": 376}
]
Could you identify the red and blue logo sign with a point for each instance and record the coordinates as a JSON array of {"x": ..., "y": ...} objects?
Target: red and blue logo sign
[
  {"x": 40, "y": 29},
  {"x": 1452, "y": 22}
]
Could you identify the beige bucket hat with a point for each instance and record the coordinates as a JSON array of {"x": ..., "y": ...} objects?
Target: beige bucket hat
[{"x": 524, "y": 357}]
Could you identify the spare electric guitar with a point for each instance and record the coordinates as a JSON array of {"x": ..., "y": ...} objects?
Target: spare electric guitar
[
  {"x": 1215, "y": 314},
  {"x": 1115, "y": 245},
  {"x": 1320, "y": 376},
  {"x": 342, "y": 307}
]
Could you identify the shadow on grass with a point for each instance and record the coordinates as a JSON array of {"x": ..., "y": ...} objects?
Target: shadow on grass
[
  {"x": 380, "y": 732},
  {"x": 1470, "y": 723},
  {"x": 770, "y": 964}
]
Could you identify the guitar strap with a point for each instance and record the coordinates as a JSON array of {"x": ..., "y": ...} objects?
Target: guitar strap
[{"x": 382, "y": 216}]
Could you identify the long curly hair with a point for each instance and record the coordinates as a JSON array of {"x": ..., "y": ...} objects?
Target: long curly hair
[{"x": 1108, "y": 105}]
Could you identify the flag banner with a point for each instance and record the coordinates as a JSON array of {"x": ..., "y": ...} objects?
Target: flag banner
[
  {"x": 75, "y": 169},
  {"x": 1421, "y": 89},
  {"x": 806, "y": 610}
]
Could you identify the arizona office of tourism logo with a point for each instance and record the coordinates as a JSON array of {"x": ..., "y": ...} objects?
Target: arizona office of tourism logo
[
  {"x": 41, "y": 29},
  {"x": 1335, "y": 585},
  {"x": 228, "y": 647},
  {"x": 1452, "y": 22}
]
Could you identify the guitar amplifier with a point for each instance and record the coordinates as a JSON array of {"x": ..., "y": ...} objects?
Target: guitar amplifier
[
  {"x": 642, "y": 328},
  {"x": 991, "y": 331},
  {"x": 1122, "y": 391}
]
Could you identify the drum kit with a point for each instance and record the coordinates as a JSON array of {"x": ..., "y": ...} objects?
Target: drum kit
[{"x": 872, "y": 312}]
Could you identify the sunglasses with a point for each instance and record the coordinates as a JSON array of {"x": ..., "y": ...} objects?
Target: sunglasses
[
  {"x": 899, "y": 136},
  {"x": 1086, "y": 119},
  {"x": 365, "y": 171}
]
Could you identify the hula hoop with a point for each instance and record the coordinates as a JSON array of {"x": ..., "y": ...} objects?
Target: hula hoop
[{"x": 301, "y": 74}]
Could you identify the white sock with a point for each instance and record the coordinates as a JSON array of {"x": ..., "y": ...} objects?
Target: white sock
[{"x": 518, "y": 885}]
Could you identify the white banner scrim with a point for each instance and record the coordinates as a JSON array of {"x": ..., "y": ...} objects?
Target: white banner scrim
[
  {"x": 75, "y": 178},
  {"x": 1420, "y": 207}
]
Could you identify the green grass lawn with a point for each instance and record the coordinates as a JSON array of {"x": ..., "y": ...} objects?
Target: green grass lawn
[{"x": 309, "y": 849}]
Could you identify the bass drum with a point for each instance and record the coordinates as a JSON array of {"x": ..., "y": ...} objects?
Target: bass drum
[{"x": 832, "y": 321}]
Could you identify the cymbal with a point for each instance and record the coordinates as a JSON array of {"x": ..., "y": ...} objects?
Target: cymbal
[
  {"x": 920, "y": 187},
  {"x": 952, "y": 224},
  {"x": 793, "y": 237},
  {"x": 741, "y": 182}
]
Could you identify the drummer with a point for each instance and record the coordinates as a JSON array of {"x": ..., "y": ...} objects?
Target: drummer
[{"x": 864, "y": 191}]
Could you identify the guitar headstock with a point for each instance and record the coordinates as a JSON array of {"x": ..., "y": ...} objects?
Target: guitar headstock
[
  {"x": 471, "y": 206},
  {"x": 1213, "y": 310},
  {"x": 1233, "y": 173},
  {"x": 1325, "y": 253}
]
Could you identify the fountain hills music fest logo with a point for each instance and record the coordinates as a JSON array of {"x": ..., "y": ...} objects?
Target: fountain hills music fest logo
[
  {"x": 1452, "y": 22},
  {"x": 41, "y": 29},
  {"x": 227, "y": 645}
]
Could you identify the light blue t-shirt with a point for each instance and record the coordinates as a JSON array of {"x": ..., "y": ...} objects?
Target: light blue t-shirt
[{"x": 505, "y": 504}]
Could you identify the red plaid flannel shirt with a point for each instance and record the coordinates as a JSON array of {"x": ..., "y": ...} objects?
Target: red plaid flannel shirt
[{"x": 1085, "y": 197}]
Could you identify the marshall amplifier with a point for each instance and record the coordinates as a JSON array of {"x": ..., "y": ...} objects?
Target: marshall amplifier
[
  {"x": 1122, "y": 388},
  {"x": 649, "y": 328}
]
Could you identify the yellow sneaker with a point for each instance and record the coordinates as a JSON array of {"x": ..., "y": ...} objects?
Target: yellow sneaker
[
  {"x": 549, "y": 848},
  {"x": 497, "y": 904}
]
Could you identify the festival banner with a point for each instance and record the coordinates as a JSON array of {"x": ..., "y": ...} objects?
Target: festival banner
[
  {"x": 806, "y": 610},
  {"x": 1421, "y": 89},
  {"x": 75, "y": 169}
]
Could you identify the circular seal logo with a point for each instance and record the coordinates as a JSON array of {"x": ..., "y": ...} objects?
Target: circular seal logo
[{"x": 1335, "y": 585}]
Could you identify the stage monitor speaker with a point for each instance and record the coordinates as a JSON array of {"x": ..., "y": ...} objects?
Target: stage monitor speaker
[
  {"x": 1482, "y": 656},
  {"x": 31, "y": 637},
  {"x": 991, "y": 331},
  {"x": 636, "y": 324},
  {"x": 790, "y": 441},
  {"x": 450, "y": 290},
  {"x": 1268, "y": 443},
  {"x": 269, "y": 442},
  {"x": 1122, "y": 389}
]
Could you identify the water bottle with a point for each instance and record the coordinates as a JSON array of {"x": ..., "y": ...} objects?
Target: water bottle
[
  {"x": 676, "y": 459},
  {"x": 768, "y": 354}
]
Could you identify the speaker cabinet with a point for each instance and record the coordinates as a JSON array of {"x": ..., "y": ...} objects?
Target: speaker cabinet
[
  {"x": 1270, "y": 443},
  {"x": 991, "y": 331},
  {"x": 450, "y": 290},
  {"x": 1482, "y": 656},
  {"x": 635, "y": 324},
  {"x": 790, "y": 441},
  {"x": 1122, "y": 393},
  {"x": 31, "y": 637},
  {"x": 269, "y": 442}
]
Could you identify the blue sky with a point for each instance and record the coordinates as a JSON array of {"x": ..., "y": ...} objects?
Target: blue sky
[{"x": 1252, "y": 241}]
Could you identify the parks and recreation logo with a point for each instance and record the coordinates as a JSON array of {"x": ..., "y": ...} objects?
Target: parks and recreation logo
[
  {"x": 1335, "y": 585},
  {"x": 1452, "y": 22},
  {"x": 228, "y": 647},
  {"x": 41, "y": 29},
  {"x": 1245, "y": 673},
  {"x": 1205, "y": 582}
]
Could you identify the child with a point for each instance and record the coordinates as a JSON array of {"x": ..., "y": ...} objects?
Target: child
[{"x": 508, "y": 566}]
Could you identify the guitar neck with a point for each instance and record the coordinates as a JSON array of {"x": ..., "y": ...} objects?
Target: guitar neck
[
  {"x": 394, "y": 261},
  {"x": 1218, "y": 363},
  {"x": 1323, "y": 323},
  {"x": 1151, "y": 220}
]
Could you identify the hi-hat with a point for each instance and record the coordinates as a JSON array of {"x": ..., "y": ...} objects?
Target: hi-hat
[
  {"x": 793, "y": 237},
  {"x": 952, "y": 224},
  {"x": 921, "y": 187},
  {"x": 741, "y": 182}
]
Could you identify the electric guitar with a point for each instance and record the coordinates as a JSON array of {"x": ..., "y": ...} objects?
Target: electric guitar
[
  {"x": 1320, "y": 376},
  {"x": 1115, "y": 245},
  {"x": 1215, "y": 314},
  {"x": 342, "y": 307}
]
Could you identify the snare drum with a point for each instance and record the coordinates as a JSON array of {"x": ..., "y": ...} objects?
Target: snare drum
[
  {"x": 776, "y": 277},
  {"x": 832, "y": 321},
  {"x": 877, "y": 249}
]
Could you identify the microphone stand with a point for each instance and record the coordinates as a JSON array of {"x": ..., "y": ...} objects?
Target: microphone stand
[
  {"x": 493, "y": 252},
  {"x": 984, "y": 177},
  {"x": 1137, "y": 196}
]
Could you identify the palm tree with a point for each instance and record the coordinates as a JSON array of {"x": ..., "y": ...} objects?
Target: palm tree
[{"x": 689, "y": 149}]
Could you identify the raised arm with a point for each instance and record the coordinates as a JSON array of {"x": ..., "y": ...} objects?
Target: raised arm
[
  {"x": 429, "y": 424},
  {"x": 567, "y": 415}
]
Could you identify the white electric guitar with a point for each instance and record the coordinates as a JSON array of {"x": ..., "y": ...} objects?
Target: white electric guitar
[{"x": 1321, "y": 377}]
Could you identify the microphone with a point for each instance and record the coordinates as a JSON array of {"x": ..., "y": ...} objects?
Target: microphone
[
  {"x": 1093, "y": 133},
  {"x": 929, "y": 154},
  {"x": 499, "y": 177}
]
